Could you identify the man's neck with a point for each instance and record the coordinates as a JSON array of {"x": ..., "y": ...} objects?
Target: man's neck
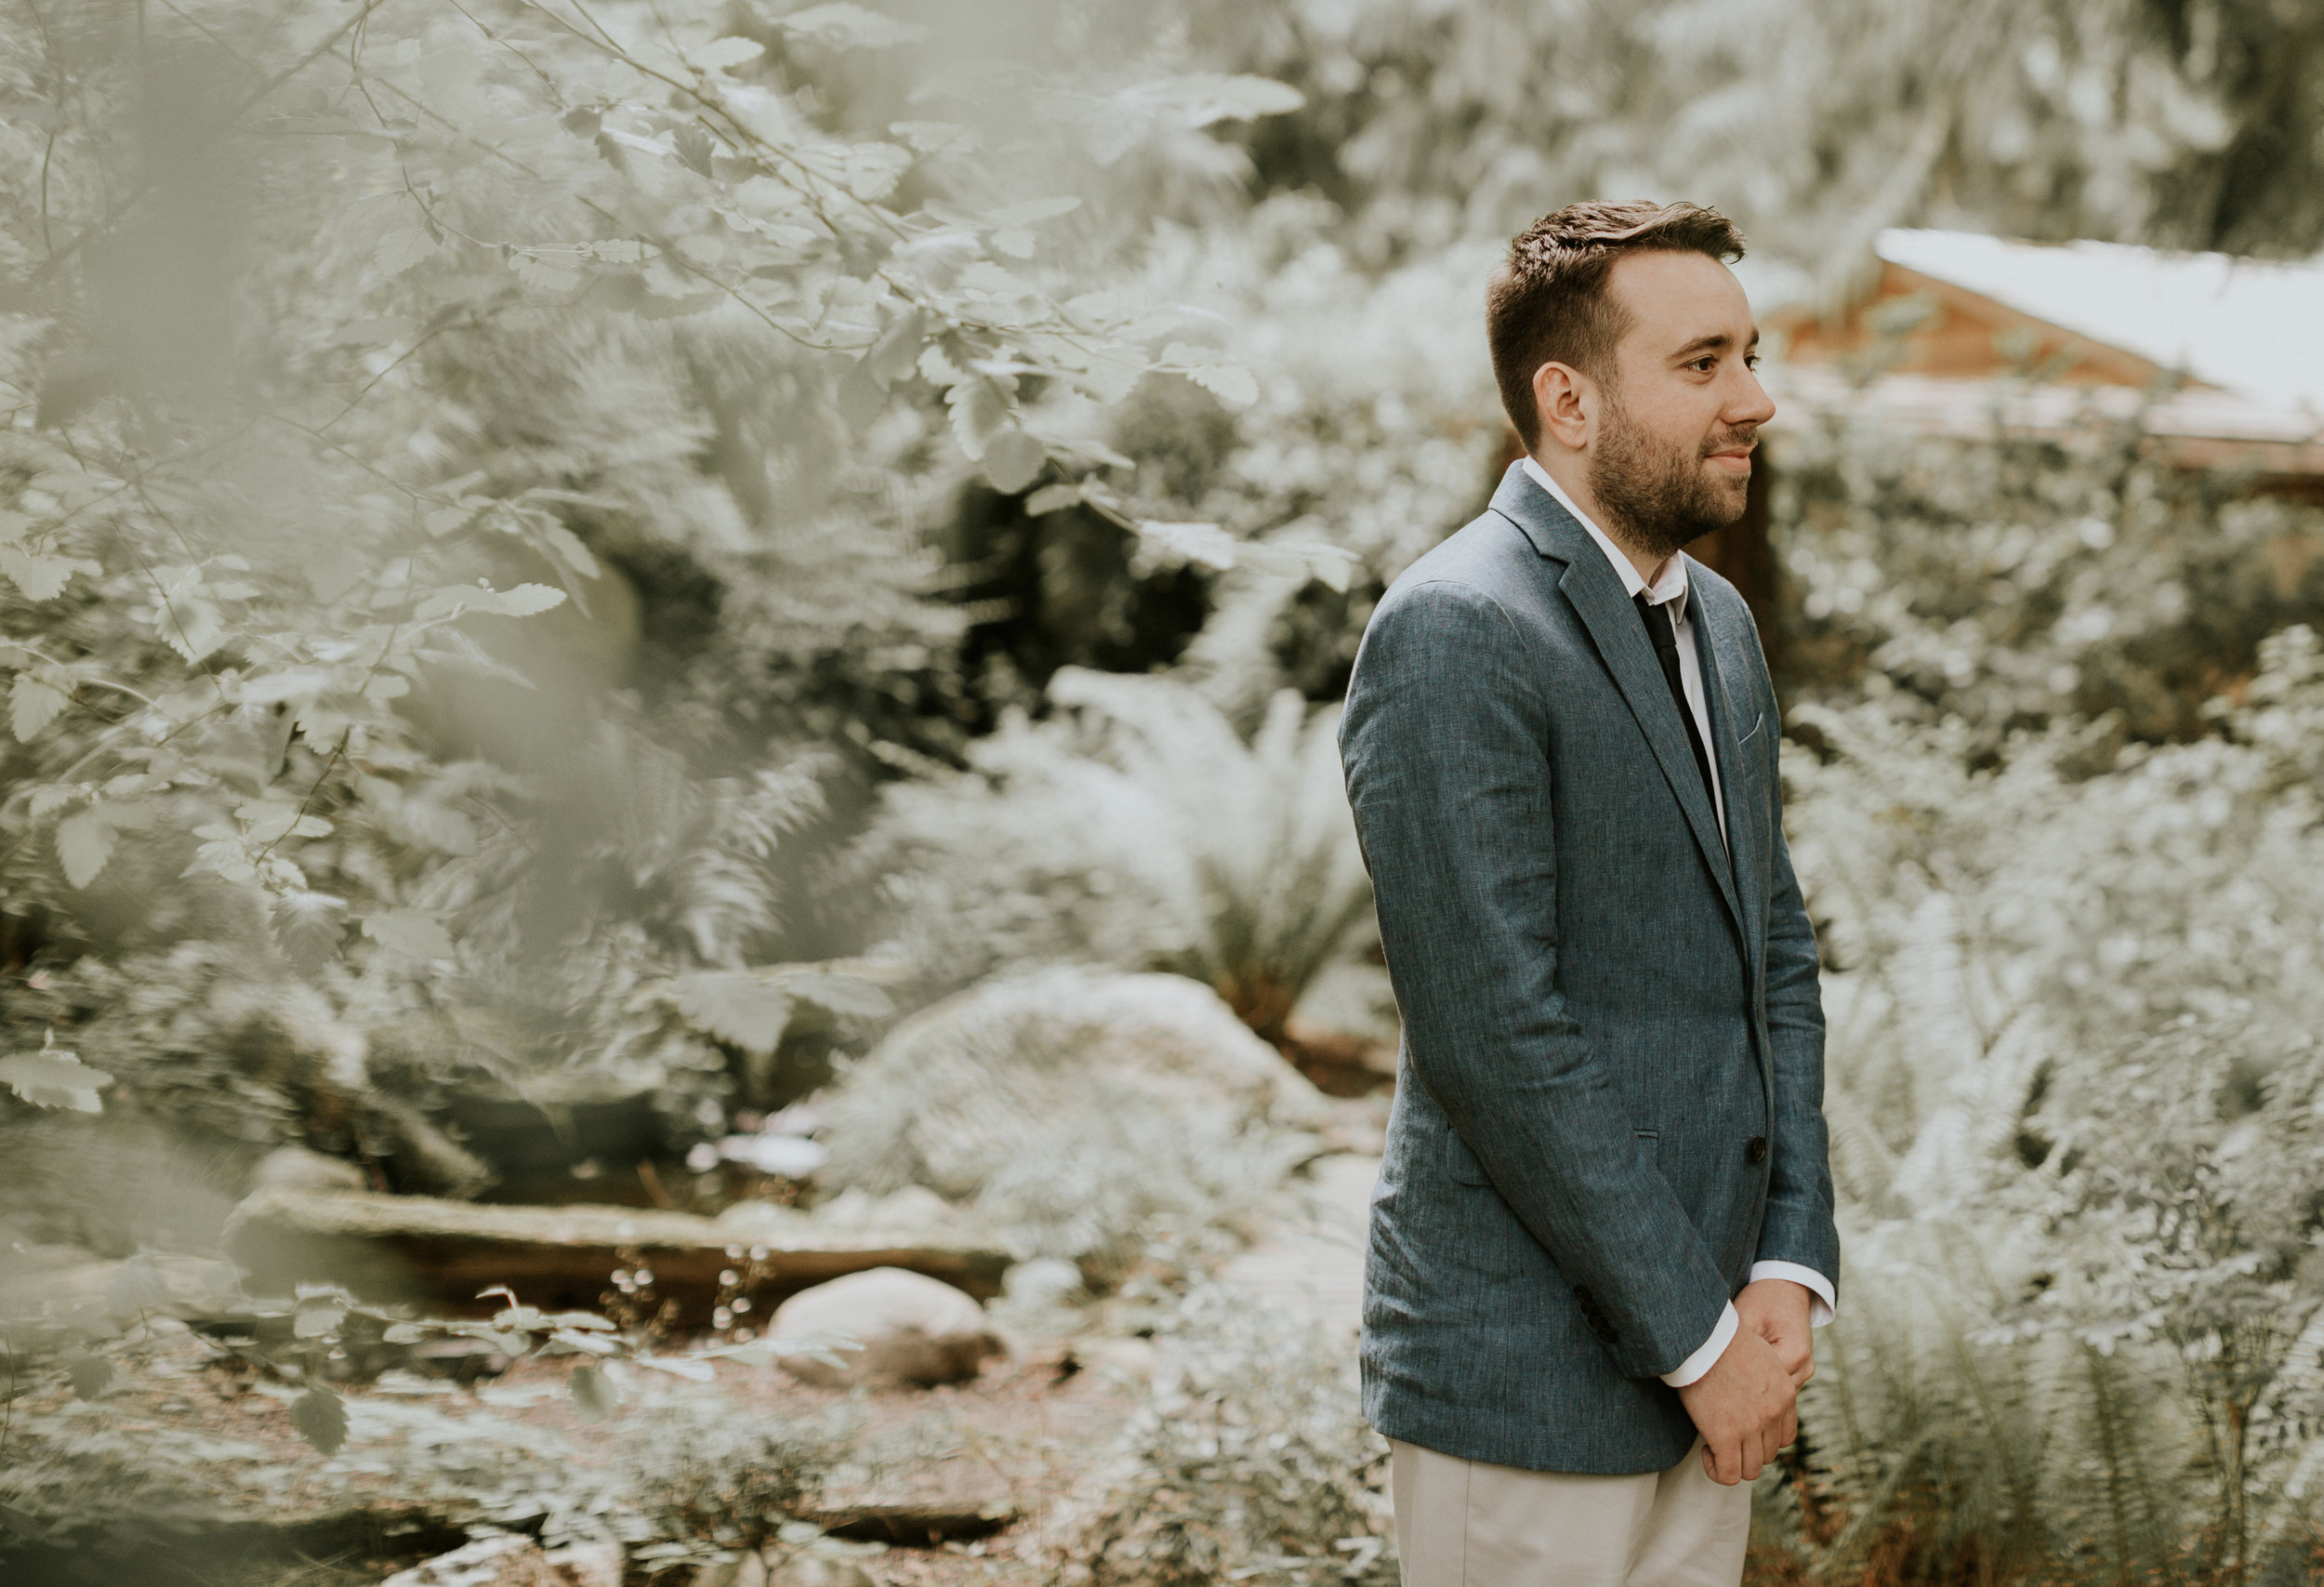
[{"x": 1571, "y": 470}]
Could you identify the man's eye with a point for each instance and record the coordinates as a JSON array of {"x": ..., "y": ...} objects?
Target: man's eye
[{"x": 1750, "y": 360}]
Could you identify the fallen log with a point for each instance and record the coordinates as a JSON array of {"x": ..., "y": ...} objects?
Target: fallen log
[
  {"x": 916, "y": 1522},
  {"x": 420, "y": 1250}
]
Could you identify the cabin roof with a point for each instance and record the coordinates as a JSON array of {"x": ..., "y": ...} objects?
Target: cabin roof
[{"x": 2251, "y": 326}]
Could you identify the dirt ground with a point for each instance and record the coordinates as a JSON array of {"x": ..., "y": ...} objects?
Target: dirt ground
[{"x": 992, "y": 1462}]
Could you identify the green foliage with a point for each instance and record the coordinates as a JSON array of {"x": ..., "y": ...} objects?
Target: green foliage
[
  {"x": 1816, "y": 122},
  {"x": 1137, "y": 827},
  {"x": 2011, "y": 580},
  {"x": 438, "y": 604},
  {"x": 1250, "y": 1463},
  {"x": 2072, "y": 1091}
]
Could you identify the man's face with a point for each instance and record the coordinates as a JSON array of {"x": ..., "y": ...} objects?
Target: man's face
[{"x": 1671, "y": 459}]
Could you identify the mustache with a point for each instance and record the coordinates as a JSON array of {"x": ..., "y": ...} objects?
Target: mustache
[{"x": 1741, "y": 435}]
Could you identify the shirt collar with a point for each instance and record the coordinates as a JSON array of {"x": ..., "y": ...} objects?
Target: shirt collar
[{"x": 1670, "y": 588}]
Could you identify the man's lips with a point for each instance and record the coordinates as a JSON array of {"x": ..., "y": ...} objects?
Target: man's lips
[{"x": 1734, "y": 459}]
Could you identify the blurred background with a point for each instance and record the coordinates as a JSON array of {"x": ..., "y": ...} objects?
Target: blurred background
[{"x": 671, "y": 670}]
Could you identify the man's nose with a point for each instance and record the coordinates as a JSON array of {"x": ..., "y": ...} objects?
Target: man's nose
[{"x": 1752, "y": 405}]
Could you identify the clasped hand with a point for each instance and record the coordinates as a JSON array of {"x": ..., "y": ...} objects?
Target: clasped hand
[{"x": 1746, "y": 1407}]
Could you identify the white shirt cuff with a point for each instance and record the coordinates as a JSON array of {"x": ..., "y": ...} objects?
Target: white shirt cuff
[
  {"x": 1820, "y": 1310},
  {"x": 1694, "y": 1366}
]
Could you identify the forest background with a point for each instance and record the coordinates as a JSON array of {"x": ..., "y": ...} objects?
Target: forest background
[{"x": 557, "y": 553}]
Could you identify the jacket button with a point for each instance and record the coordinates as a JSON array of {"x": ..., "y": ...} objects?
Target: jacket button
[{"x": 1757, "y": 1151}]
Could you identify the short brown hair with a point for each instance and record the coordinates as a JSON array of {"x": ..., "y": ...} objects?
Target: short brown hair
[{"x": 1547, "y": 302}]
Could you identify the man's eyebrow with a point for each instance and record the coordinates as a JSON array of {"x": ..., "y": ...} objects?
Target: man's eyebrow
[{"x": 1715, "y": 342}]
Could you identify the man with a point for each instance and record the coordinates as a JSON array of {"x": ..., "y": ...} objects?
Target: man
[{"x": 1605, "y": 1226}]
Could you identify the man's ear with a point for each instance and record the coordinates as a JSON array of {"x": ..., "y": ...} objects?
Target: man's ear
[{"x": 1567, "y": 402}]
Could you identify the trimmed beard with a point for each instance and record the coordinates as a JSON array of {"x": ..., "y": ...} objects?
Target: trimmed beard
[{"x": 1658, "y": 494}]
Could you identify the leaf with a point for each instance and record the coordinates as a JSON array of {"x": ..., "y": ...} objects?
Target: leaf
[
  {"x": 1333, "y": 566},
  {"x": 680, "y": 1366},
  {"x": 935, "y": 137},
  {"x": 410, "y": 931},
  {"x": 1013, "y": 460},
  {"x": 321, "y": 1418},
  {"x": 845, "y": 26},
  {"x": 137, "y": 1285},
  {"x": 1204, "y": 543},
  {"x": 898, "y": 348},
  {"x": 291, "y": 683},
  {"x": 567, "y": 544},
  {"x": 695, "y": 148},
  {"x": 401, "y": 249},
  {"x": 524, "y": 600},
  {"x": 1201, "y": 97},
  {"x": 1231, "y": 383},
  {"x": 726, "y": 53},
  {"x": 307, "y": 927},
  {"x": 594, "y": 1396},
  {"x": 1032, "y": 212},
  {"x": 407, "y": 1333},
  {"x": 33, "y": 704},
  {"x": 54, "y": 1077},
  {"x": 318, "y": 1320},
  {"x": 837, "y": 993},
  {"x": 1054, "y": 498},
  {"x": 84, "y": 844},
  {"x": 40, "y": 574},
  {"x": 735, "y": 1006},
  {"x": 544, "y": 275},
  {"x": 979, "y": 413}
]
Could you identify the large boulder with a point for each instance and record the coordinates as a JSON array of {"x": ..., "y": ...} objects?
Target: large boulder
[
  {"x": 1070, "y": 1107},
  {"x": 915, "y": 1330}
]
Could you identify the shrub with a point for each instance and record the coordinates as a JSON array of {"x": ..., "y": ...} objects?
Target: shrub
[
  {"x": 1136, "y": 828},
  {"x": 1250, "y": 1463}
]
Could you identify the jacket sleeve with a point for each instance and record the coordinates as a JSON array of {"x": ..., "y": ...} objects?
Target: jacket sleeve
[
  {"x": 1799, "y": 1225},
  {"x": 1446, "y": 744}
]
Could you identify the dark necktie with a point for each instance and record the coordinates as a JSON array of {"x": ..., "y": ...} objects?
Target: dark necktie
[{"x": 1663, "y": 630}]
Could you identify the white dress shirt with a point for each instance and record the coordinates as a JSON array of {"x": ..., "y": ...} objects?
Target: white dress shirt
[{"x": 1670, "y": 589}]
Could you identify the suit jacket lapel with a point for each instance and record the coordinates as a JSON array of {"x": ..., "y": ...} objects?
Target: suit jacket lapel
[
  {"x": 1718, "y": 636},
  {"x": 1595, "y": 593}
]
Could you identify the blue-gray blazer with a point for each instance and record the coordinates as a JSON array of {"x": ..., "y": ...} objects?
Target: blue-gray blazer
[{"x": 1609, "y": 1101}]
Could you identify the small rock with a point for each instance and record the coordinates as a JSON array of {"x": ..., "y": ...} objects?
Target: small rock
[
  {"x": 1045, "y": 1281},
  {"x": 302, "y": 1168},
  {"x": 487, "y": 1562},
  {"x": 915, "y": 1330},
  {"x": 814, "y": 1571},
  {"x": 1124, "y": 1360}
]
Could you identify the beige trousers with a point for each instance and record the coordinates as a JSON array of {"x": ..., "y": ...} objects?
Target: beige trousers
[{"x": 1466, "y": 1523}]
